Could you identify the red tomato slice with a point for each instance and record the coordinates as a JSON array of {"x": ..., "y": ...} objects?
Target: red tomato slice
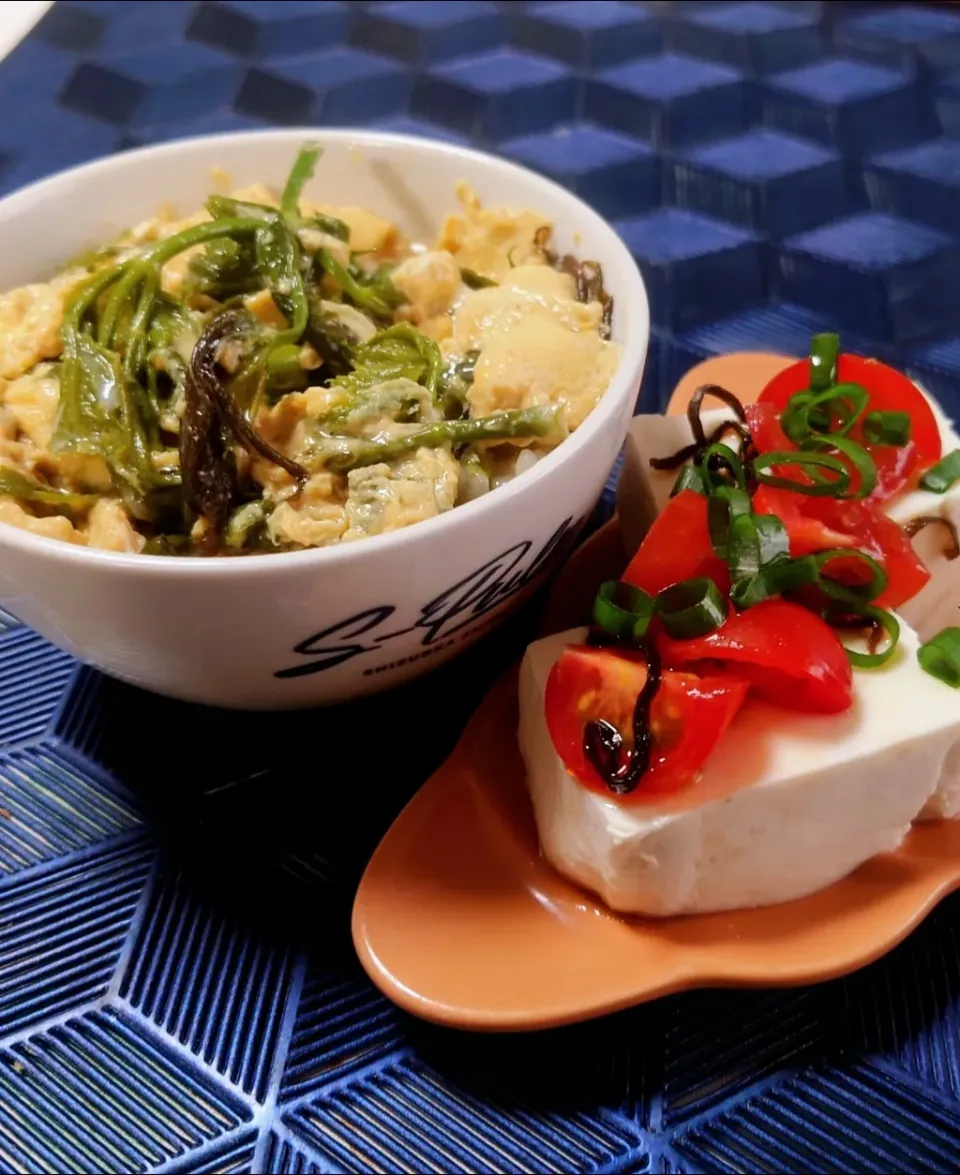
[
  {"x": 822, "y": 524},
  {"x": 789, "y": 654},
  {"x": 763, "y": 420},
  {"x": 677, "y": 547},
  {"x": 890, "y": 391},
  {"x": 688, "y": 716}
]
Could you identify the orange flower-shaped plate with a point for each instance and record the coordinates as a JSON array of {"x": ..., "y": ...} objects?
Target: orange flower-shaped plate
[{"x": 459, "y": 920}]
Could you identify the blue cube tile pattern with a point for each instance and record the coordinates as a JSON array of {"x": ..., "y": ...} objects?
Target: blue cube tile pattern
[
  {"x": 195, "y": 80},
  {"x": 295, "y": 26},
  {"x": 177, "y": 988},
  {"x": 348, "y": 86},
  {"x": 616, "y": 174},
  {"x": 426, "y": 33},
  {"x": 755, "y": 179},
  {"x": 153, "y": 24},
  {"x": 909, "y": 36},
  {"x": 921, "y": 182},
  {"x": 946, "y": 101},
  {"x": 670, "y": 99},
  {"x": 597, "y": 34},
  {"x": 937, "y": 365},
  {"x": 874, "y": 274},
  {"x": 757, "y": 37},
  {"x": 694, "y": 267},
  {"x": 498, "y": 95},
  {"x": 852, "y": 105}
]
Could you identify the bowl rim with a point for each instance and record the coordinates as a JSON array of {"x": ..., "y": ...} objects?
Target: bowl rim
[{"x": 634, "y": 351}]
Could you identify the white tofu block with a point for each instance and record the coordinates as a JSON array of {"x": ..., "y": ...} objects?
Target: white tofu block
[{"x": 788, "y": 802}]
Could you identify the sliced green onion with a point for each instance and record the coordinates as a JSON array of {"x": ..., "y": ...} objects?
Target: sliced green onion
[
  {"x": 875, "y": 586},
  {"x": 852, "y": 602},
  {"x": 756, "y": 541},
  {"x": 725, "y": 504},
  {"x": 824, "y": 351},
  {"x": 940, "y": 657},
  {"x": 724, "y": 456},
  {"x": 809, "y": 413},
  {"x": 851, "y": 399},
  {"x": 693, "y": 478},
  {"x": 887, "y": 428},
  {"x": 795, "y": 418},
  {"x": 691, "y": 608},
  {"x": 743, "y": 554},
  {"x": 858, "y": 457},
  {"x": 782, "y": 575},
  {"x": 819, "y": 461},
  {"x": 622, "y": 610},
  {"x": 940, "y": 477},
  {"x": 774, "y": 540}
]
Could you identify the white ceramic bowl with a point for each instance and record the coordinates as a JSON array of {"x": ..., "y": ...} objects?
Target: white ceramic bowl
[{"x": 314, "y": 626}]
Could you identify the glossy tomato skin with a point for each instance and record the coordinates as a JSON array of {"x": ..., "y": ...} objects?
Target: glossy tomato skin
[
  {"x": 790, "y": 656},
  {"x": 823, "y": 524},
  {"x": 890, "y": 391},
  {"x": 677, "y": 547},
  {"x": 689, "y": 716},
  {"x": 763, "y": 421}
]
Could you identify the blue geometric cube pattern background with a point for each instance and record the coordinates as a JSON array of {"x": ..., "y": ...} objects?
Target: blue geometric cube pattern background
[{"x": 178, "y": 990}]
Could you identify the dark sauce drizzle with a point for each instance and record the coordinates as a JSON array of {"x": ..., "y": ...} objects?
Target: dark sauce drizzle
[
  {"x": 603, "y": 743},
  {"x": 587, "y": 276},
  {"x": 701, "y": 441},
  {"x": 873, "y": 630},
  {"x": 952, "y": 548}
]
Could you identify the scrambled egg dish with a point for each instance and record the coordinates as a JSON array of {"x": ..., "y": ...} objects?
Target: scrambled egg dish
[{"x": 271, "y": 374}]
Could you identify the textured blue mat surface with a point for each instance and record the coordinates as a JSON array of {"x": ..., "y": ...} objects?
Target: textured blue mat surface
[{"x": 177, "y": 986}]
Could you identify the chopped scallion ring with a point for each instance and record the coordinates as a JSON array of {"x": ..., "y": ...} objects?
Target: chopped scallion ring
[
  {"x": 693, "y": 478},
  {"x": 834, "y": 488},
  {"x": 812, "y": 413},
  {"x": 774, "y": 540},
  {"x": 940, "y": 657},
  {"x": 725, "y": 457},
  {"x": 940, "y": 477},
  {"x": 851, "y": 604},
  {"x": 850, "y": 401},
  {"x": 887, "y": 428},
  {"x": 756, "y": 540},
  {"x": 691, "y": 608},
  {"x": 858, "y": 457},
  {"x": 824, "y": 352},
  {"x": 875, "y": 586},
  {"x": 724, "y": 506},
  {"x": 743, "y": 551},
  {"x": 623, "y": 611},
  {"x": 783, "y": 575}
]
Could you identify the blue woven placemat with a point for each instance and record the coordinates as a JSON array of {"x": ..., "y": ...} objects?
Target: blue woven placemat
[{"x": 177, "y": 986}]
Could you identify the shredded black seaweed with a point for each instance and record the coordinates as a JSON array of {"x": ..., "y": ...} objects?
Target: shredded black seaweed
[{"x": 212, "y": 422}]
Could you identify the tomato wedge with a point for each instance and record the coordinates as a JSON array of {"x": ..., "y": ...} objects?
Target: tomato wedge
[
  {"x": 890, "y": 391},
  {"x": 678, "y": 547},
  {"x": 688, "y": 716},
  {"x": 789, "y": 654},
  {"x": 823, "y": 524}
]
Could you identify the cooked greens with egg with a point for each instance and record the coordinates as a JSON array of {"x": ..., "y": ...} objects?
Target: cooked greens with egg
[{"x": 272, "y": 374}]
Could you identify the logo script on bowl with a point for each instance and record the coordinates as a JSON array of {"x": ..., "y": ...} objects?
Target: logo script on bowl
[{"x": 456, "y": 608}]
